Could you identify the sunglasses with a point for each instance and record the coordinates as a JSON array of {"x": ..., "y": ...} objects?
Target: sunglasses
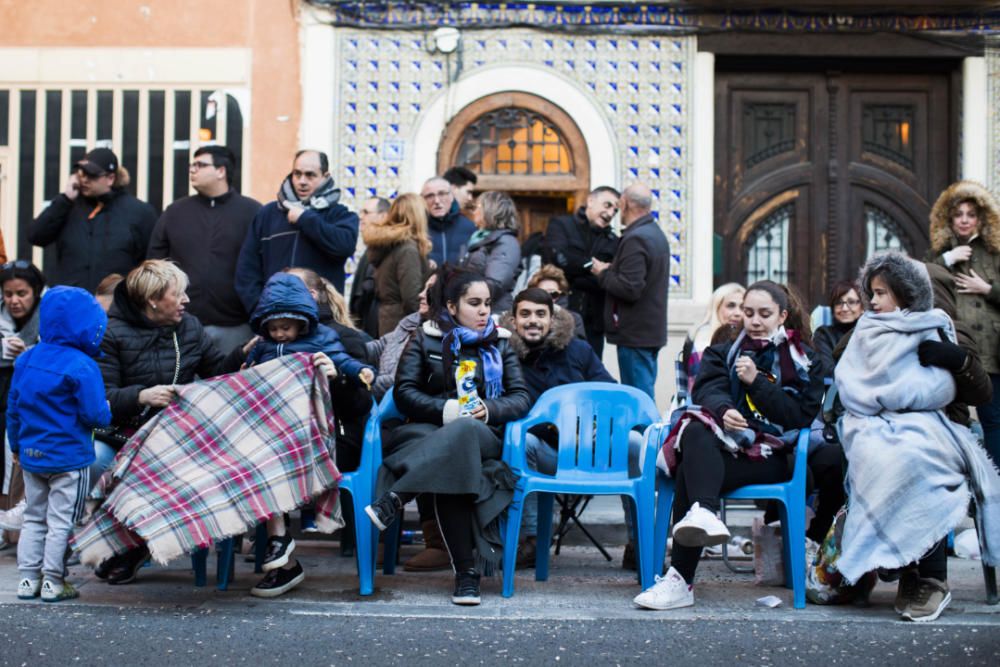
[
  {"x": 16, "y": 264},
  {"x": 556, "y": 295}
]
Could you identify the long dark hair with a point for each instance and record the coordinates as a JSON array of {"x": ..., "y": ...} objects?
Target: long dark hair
[
  {"x": 24, "y": 270},
  {"x": 451, "y": 285},
  {"x": 789, "y": 300}
]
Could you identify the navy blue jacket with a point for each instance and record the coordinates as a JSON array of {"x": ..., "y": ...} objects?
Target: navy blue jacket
[
  {"x": 285, "y": 293},
  {"x": 57, "y": 394},
  {"x": 449, "y": 235},
  {"x": 562, "y": 358},
  {"x": 321, "y": 240}
]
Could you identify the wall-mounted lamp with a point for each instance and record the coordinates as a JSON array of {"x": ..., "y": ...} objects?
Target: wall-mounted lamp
[{"x": 444, "y": 40}]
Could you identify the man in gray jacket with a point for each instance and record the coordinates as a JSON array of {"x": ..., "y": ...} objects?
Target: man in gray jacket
[{"x": 636, "y": 282}]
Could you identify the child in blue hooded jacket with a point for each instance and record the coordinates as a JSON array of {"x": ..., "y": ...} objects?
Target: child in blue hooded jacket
[
  {"x": 56, "y": 400},
  {"x": 287, "y": 320}
]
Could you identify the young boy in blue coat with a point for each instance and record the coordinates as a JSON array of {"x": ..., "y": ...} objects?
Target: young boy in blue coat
[
  {"x": 287, "y": 321},
  {"x": 56, "y": 400}
]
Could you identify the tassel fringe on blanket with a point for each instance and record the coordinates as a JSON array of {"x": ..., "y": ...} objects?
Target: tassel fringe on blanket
[{"x": 226, "y": 454}]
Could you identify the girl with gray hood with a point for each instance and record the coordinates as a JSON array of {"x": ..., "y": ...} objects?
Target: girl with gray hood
[{"x": 911, "y": 470}]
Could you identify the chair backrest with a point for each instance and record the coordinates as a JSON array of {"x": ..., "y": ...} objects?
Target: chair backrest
[
  {"x": 821, "y": 316},
  {"x": 594, "y": 420},
  {"x": 371, "y": 452}
]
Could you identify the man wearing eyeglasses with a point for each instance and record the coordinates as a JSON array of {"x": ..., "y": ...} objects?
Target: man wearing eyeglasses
[
  {"x": 96, "y": 226},
  {"x": 203, "y": 233},
  {"x": 448, "y": 228},
  {"x": 306, "y": 226}
]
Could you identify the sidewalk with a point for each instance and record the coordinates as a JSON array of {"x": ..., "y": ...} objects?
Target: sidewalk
[{"x": 582, "y": 586}]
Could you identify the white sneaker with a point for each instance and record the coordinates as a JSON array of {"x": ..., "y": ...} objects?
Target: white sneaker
[
  {"x": 13, "y": 518},
  {"x": 700, "y": 528},
  {"x": 29, "y": 589},
  {"x": 669, "y": 592}
]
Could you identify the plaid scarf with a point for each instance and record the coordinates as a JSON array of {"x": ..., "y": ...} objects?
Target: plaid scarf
[{"x": 226, "y": 454}]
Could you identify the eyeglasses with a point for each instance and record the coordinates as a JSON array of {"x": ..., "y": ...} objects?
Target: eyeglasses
[
  {"x": 556, "y": 295},
  {"x": 847, "y": 303},
  {"x": 79, "y": 171},
  {"x": 431, "y": 196},
  {"x": 197, "y": 166},
  {"x": 16, "y": 264}
]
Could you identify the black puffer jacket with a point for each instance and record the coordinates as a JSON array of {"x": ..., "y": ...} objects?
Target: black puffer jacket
[
  {"x": 423, "y": 387},
  {"x": 137, "y": 355}
]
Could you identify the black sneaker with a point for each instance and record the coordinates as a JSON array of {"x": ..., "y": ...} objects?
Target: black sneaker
[
  {"x": 278, "y": 582},
  {"x": 104, "y": 569},
  {"x": 383, "y": 511},
  {"x": 466, "y": 588},
  {"x": 125, "y": 570},
  {"x": 278, "y": 551}
]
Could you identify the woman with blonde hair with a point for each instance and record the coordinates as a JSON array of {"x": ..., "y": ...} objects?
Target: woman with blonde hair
[
  {"x": 398, "y": 250},
  {"x": 723, "y": 309},
  {"x": 494, "y": 251}
]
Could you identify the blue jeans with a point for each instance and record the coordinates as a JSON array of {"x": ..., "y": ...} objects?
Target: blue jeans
[
  {"x": 989, "y": 417},
  {"x": 545, "y": 459},
  {"x": 637, "y": 367},
  {"x": 105, "y": 455}
]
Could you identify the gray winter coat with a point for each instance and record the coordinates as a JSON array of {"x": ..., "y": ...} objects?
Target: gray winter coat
[{"x": 498, "y": 257}]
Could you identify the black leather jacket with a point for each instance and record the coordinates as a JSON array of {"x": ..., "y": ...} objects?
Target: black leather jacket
[{"x": 423, "y": 387}]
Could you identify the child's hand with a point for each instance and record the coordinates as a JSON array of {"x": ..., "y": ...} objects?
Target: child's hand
[
  {"x": 367, "y": 376},
  {"x": 249, "y": 345},
  {"x": 324, "y": 365}
]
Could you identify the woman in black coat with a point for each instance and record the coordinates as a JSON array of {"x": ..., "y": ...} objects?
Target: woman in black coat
[
  {"x": 151, "y": 345},
  {"x": 458, "y": 383},
  {"x": 754, "y": 394}
]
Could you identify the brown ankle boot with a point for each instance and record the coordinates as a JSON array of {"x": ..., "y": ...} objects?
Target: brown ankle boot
[{"x": 434, "y": 556}]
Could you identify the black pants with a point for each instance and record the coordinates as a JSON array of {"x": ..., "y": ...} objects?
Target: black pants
[
  {"x": 455, "y": 516},
  {"x": 935, "y": 563},
  {"x": 596, "y": 340},
  {"x": 827, "y": 467},
  {"x": 704, "y": 473}
]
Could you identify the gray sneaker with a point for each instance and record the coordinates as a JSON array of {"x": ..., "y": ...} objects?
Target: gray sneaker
[
  {"x": 909, "y": 583},
  {"x": 931, "y": 598}
]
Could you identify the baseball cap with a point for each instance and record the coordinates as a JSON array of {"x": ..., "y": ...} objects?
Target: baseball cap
[{"x": 98, "y": 161}]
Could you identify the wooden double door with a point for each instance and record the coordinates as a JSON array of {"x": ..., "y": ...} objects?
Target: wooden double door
[{"x": 816, "y": 170}]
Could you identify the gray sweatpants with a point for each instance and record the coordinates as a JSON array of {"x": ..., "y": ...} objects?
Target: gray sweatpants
[{"x": 55, "y": 502}]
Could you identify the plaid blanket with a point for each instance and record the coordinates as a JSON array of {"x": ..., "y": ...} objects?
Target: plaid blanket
[{"x": 227, "y": 453}]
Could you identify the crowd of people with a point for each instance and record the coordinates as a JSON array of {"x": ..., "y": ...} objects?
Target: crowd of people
[{"x": 220, "y": 283}]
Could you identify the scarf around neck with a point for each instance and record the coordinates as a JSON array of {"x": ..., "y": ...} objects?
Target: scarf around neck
[
  {"x": 325, "y": 195},
  {"x": 458, "y": 337},
  {"x": 781, "y": 358}
]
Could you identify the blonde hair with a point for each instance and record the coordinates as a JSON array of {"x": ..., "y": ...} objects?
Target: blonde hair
[
  {"x": 108, "y": 284},
  {"x": 550, "y": 272},
  {"x": 409, "y": 210},
  {"x": 499, "y": 211},
  {"x": 712, "y": 322},
  {"x": 150, "y": 280},
  {"x": 326, "y": 293}
]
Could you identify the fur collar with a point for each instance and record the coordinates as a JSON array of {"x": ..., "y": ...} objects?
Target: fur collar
[
  {"x": 382, "y": 239},
  {"x": 431, "y": 328},
  {"x": 560, "y": 335},
  {"x": 941, "y": 236}
]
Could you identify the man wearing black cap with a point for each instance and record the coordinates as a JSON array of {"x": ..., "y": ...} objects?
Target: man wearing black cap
[{"x": 96, "y": 226}]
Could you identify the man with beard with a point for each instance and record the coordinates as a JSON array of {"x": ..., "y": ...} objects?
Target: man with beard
[
  {"x": 551, "y": 356},
  {"x": 306, "y": 227},
  {"x": 571, "y": 243}
]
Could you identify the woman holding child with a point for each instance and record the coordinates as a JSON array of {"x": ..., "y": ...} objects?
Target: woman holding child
[
  {"x": 752, "y": 395},
  {"x": 457, "y": 383}
]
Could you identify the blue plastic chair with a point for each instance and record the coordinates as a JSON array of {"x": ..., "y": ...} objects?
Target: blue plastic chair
[
  {"x": 594, "y": 420},
  {"x": 792, "y": 498},
  {"x": 386, "y": 410},
  {"x": 224, "y": 568}
]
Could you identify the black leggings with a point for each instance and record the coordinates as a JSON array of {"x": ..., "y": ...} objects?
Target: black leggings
[
  {"x": 704, "y": 473},
  {"x": 455, "y": 515},
  {"x": 935, "y": 562},
  {"x": 827, "y": 467}
]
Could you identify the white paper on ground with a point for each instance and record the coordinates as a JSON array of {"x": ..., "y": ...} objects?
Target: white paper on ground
[{"x": 769, "y": 601}]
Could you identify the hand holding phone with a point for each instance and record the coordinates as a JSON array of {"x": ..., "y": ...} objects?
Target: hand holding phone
[{"x": 72, "y": 187}]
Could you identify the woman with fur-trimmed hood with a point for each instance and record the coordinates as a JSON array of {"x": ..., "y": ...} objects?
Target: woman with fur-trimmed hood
[
  {"x": 965, "y": 239},
  {"x": 398, "y": 250},
  {"x": 911, "y": 470}
]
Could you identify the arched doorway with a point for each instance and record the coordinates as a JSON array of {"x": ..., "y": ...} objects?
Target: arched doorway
[{"x": 524, "y": 145}]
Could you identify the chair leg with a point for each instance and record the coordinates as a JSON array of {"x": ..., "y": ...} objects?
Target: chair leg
[
  {"x": 259, "y": 547},
  {"x": 511, "y": 536},
  {"x": 990, "y": 577},
  {"x": 664, "y": 505},
  {"x": 545, "y": 503},
  {"x": 225, "y": 563},
  {"x": 644, "y": 522},
  {"x": 793, "y": 522},
  {"x": 199, "y": 562},
  {"x": 365, "y": 546}
]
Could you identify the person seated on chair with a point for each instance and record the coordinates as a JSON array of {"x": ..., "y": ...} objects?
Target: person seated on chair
[
  {"x": 543, "y": 337},
  {"x": 899, "y": 375},
  {"x": 751, "y": 396},
  {"x": 458, "y": 383}
]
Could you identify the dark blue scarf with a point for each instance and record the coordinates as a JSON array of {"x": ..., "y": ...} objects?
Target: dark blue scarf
[{"x": 458, "y": 337}]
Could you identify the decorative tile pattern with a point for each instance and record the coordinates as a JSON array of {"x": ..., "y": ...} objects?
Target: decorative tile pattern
[
  {"x": 993, "y": 97},
  {"x": 641, "y": 84}
]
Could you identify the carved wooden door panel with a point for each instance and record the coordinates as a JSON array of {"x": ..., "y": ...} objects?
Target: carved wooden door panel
[{"x": 817, "y": 170}]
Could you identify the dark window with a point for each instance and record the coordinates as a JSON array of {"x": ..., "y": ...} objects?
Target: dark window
[
  {"x": 26, "y": 173},
  {"x": 53, "y": 144},
  {"x": 130, "y": 137},
  {"x": 182, "y": 142},
  {"x": 206, "y": 122},
  {"x": 157, "y": 100},
  {"x": 4, "y": 117},
  {"x": 105, "y": 118},
  {"x": 883, "y": 232},
  {"x": 234, "y": 136},
  {"x": 767, "y": 248},
  {"x": 768, "y": 130},
  {"x": 78, "y": 126},
  {"x": 514, "y": 141},
  {"x": 887, "y": 130}
]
